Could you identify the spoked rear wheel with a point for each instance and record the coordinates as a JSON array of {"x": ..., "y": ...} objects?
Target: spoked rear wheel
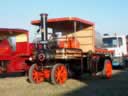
[
  {"x": 59, "y": 74},
  {"x": 34, "y": 75},
  {"x": 107, "y": 71}
]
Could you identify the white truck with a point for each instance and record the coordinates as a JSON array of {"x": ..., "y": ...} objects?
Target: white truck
[{"x": 118, "y": 43}]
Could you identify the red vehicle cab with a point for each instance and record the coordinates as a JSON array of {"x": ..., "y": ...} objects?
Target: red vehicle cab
[{"x": 14, "y": 50}]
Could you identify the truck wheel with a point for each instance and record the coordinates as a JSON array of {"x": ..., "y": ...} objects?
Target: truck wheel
[
  {"x": 34, "y": 75},
  {"x": 107, "y": 71},
  {"x": 59, "y": 74}
]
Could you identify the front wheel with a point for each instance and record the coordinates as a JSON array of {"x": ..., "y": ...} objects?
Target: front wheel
[
  {"x": 59, "y": 74},
  {"x": 107, "y": 70},
  {"x": 35, "y": 75}
]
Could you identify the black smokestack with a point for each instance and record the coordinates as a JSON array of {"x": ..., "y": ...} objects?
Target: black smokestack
[{"x": 43, "y": 26}]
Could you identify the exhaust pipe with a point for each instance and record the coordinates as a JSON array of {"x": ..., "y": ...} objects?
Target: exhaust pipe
[{"x": 43, "y": 27}]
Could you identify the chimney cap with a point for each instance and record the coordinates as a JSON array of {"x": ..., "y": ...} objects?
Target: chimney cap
[{"x": 43, "y": 14}]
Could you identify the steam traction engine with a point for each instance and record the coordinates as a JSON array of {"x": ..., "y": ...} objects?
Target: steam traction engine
[{"x": 68, "y": 51}]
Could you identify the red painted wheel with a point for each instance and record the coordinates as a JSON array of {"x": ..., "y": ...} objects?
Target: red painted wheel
[
  {"x": 34, "y": 75},
  {"x": 107, "y": 72},
  {"x": 59, "y": 74}
]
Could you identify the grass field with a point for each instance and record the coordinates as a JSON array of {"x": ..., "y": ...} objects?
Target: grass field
[{"x": 117, "y": 86}]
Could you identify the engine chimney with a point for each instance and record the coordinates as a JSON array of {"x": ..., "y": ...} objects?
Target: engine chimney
[{"x": 43, "y": 27}]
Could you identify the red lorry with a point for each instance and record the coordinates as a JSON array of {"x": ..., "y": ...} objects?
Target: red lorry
[
  {"x": 69, "y": 52},
  {"x": 14, "y": 50}
]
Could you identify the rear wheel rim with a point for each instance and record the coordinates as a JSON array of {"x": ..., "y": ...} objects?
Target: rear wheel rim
[
  {"x": 61, "y": 74},
  {"x": 108, "y": 69},
  {"x": 37, "y": 75}
]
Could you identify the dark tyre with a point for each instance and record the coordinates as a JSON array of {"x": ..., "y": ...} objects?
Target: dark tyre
[
  {"x": 107, "y": 70},
  {"x": 34, "y": 75},
  {"x": 59, "y": 74}
]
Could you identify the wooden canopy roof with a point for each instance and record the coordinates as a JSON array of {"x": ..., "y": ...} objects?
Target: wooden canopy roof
[{"x": 65, "y": 23}]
